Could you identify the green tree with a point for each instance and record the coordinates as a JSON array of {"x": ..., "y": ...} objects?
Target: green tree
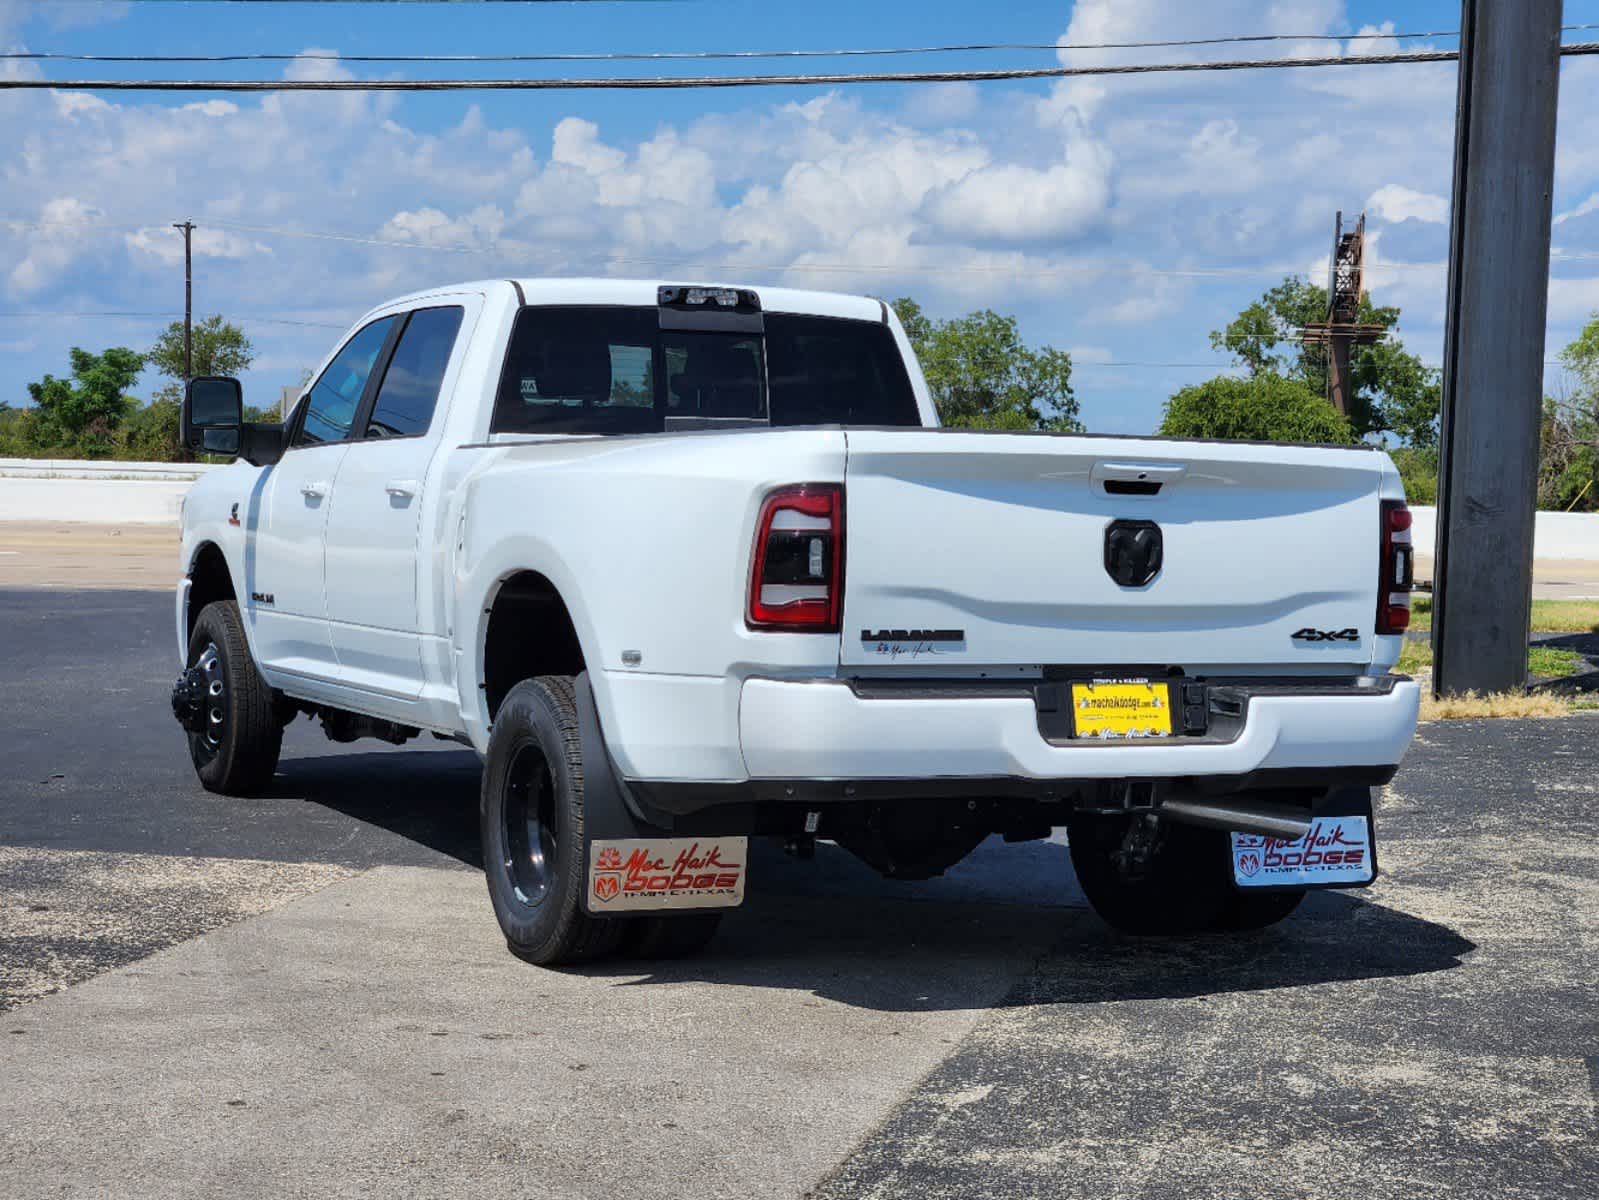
[
  {"x": 219, "y": 349},
  {"x": 84, "y": 412},
  {"x": 151, "y": 432},
  {"x": 1393, "y": 391},
  {"x": 1568, "y": 461},
  {"x": 982, "y": 375},
  {"x": 1264, "y": 407}
]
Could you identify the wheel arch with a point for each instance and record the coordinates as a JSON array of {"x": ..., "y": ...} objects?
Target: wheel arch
[
  {"x": 527, "y": 630},
  {"x": 210, "y": 580}
]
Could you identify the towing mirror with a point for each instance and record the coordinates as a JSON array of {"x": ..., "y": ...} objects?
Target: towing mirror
[{"x": 213, "y": 415}]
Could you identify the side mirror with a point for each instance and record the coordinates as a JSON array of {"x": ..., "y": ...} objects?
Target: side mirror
[{"x": 213, "y": 415}]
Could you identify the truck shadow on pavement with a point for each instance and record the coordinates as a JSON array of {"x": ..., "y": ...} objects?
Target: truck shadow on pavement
[
  {"x": 950, "y": 943},
  {"x": 1008, "y": 926},
  {"x": 426, "y": 799}
]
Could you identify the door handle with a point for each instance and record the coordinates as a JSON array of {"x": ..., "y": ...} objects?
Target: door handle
[
  {"x": 314, "y": 491},
  {"x": 402, "y": 488}
]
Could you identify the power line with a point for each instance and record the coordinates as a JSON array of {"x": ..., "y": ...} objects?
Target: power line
[
  {"x": 722, "y": 55},
  {"x": 660, "y": 82}
]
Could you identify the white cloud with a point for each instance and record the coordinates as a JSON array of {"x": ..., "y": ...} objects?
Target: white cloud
[
  {"x": 1008, "y": 202},
  {"x": 1591, "y": 204},
  {"x": 165, "y": 244},
  {"x": 213, "y": 108},
  {"x": 1395, "y": 202}
]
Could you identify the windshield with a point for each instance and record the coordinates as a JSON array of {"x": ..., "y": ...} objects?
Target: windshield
[{"x": 614, "y": 370}]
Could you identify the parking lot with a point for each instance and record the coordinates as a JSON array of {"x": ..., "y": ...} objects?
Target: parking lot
[{"x": 306, "y": 993}]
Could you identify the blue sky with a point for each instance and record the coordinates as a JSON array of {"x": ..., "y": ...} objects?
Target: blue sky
[{"x": 1122, "y": 219}]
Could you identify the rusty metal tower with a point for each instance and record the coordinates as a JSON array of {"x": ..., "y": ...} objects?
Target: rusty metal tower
[{"x": 1342, "y": 331}]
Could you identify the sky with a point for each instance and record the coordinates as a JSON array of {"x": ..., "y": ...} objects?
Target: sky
[{"x": 1120, "y": 218}]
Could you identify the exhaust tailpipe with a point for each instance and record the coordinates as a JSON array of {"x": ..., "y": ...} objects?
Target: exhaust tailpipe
[{"x": 1268, "y": 820}]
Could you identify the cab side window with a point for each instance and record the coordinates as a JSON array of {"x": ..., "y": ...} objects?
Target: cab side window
[
  {"x": 331, "y": 405},
  {"x": 411, "y": 382}
]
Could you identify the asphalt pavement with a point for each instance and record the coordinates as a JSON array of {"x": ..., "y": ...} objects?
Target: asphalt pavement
[{"x": 305, "y": 994}]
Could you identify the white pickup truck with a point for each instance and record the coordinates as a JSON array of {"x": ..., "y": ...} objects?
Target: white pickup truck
[{"x": 691, "y": 564}]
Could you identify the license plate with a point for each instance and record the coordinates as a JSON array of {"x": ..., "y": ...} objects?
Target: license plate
[
  {"x": 649, "y": 874},
  {"x": 1337, "y": 852},
  {"x": 1121, "y": 709}
]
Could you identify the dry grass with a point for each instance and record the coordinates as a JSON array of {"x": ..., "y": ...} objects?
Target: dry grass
[{"x": 1502, "y": 704}]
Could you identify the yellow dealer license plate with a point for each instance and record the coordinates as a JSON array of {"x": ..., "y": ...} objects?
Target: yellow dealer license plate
[{"x": 1121, "y": 708}]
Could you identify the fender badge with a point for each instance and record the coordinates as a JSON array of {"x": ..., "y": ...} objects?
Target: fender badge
[
  {"x": 1325, "y": 635},
  {"x": 233, "y": 517}
]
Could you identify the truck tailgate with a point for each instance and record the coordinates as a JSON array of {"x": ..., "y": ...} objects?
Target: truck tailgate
[{"x": 989, "y": 550}]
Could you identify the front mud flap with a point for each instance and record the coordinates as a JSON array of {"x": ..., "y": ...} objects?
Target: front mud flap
[
  {"x": 1339, "y": 851},
  {"x": 634, "y": 866}
]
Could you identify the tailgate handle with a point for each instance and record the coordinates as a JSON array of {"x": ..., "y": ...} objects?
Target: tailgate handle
[{"x": 1136, "y": 478}]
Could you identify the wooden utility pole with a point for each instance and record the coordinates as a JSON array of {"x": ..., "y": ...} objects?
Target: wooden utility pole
[
  {"x": 187, "y": 227},
  {"x": 1494, "y": 342}
]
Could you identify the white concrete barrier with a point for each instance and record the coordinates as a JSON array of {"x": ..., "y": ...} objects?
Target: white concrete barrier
[
  {"x": 1555, "y": 534},
  {"x": 99, "y": 493}
]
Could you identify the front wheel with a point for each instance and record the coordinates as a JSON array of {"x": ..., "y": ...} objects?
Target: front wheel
[
  {"x": 532, "y": 827},
  {"x": 226, "y": 708}
]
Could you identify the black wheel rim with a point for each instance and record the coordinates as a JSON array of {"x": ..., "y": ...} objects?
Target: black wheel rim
[
  {"x": 530, "y": 827},
  {"x": 208, "y": 744}
]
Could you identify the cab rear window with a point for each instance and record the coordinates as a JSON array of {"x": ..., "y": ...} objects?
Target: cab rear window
[{"x": 597, "y": 370}]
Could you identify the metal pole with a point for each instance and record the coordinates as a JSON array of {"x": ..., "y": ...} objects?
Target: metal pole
[
  {"x": 188, "y": 300},
  {"x": 1494, "y": 342}
]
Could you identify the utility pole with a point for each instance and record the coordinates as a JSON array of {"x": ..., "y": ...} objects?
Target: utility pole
[
  {"x": 188, "y": 299},
  {"x": 1494, "y": 342},
  {"x": 1342, "y": 331}
]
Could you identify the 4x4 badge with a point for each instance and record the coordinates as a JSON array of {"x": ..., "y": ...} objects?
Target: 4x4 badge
[{"x": 1326, "y": 635}]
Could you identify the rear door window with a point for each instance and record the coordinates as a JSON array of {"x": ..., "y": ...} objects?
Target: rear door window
[{"x": 410, "y": 389}]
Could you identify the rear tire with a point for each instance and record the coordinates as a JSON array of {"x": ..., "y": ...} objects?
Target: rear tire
[
  {"x": 1246, "y": 910},
  {"x": 1183, "y": 888},
  {"x": 675, "y": 936},
  {"x": 1180, "y": 888},
  {"x": 532, "y": 827},
  {"x": 238, "y": 752}
]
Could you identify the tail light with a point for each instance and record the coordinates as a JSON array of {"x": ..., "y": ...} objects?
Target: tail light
[
  {"x": 1397, "y": 571},
  {"x": 797, "y": 578}
]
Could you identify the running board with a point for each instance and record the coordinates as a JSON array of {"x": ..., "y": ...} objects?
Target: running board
[{"x": 1268, "y": 820}]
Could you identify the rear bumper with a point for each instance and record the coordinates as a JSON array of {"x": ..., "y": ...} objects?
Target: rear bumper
[{"x": 824, "y": 729}]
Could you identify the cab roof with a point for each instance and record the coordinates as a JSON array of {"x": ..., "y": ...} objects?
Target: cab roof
[{"x": 642, "y": 293}]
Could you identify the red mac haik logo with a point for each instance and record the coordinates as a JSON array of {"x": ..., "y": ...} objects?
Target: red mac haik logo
[
  {"x": 606, "y": 886},
  {"x": 610, "y": 860}
]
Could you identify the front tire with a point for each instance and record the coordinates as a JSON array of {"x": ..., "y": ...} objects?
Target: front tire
[
  {"x": 532, "y": 827},
  {"x": 235, "y": 750}
]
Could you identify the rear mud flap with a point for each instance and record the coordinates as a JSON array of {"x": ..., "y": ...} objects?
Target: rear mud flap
[
  {"x": 634, "y": 866},
  {"x": 1340, "y": 851}
]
